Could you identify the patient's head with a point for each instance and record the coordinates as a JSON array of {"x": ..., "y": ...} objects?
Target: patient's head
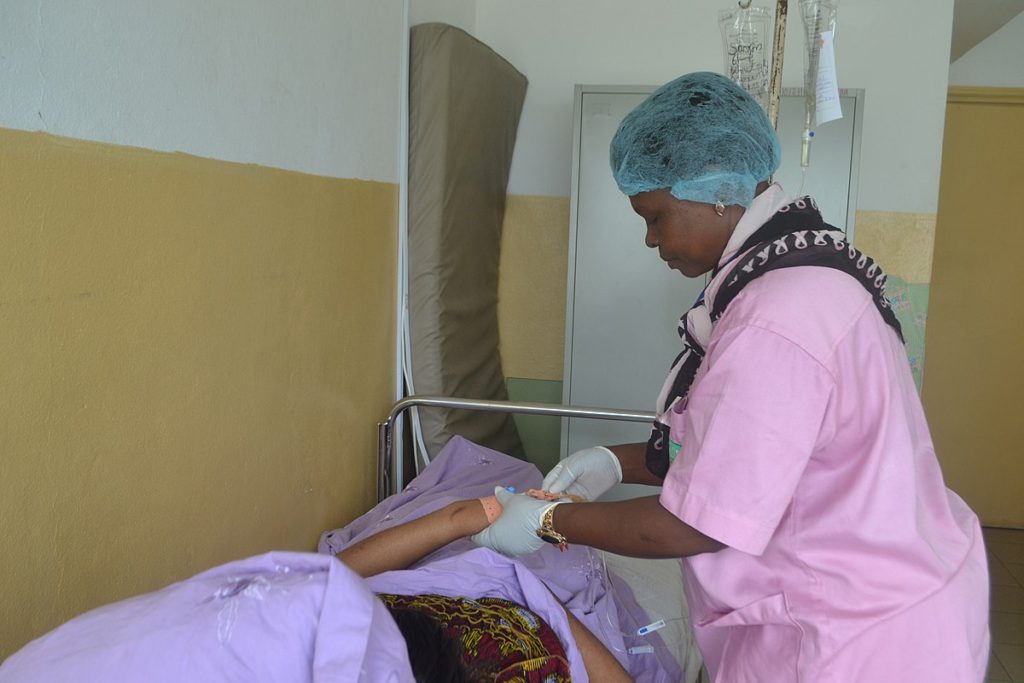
[{"x": 435, "y": 657}]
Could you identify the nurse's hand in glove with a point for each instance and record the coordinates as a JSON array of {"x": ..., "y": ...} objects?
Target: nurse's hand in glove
[
  {"x": 588, "y": 473},
  {"x": 515, "y": 532}
]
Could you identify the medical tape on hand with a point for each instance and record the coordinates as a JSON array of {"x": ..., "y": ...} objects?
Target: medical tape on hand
[{"x": 492, "y": 508}]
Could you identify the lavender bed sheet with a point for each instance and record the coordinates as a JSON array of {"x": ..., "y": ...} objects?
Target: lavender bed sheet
[
  {"x": 279, "y": 617},
  {"x": 578, "y": 578}
]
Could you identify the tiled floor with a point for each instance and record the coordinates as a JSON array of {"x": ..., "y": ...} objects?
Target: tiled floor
[{"x": 1006, "y": 565}]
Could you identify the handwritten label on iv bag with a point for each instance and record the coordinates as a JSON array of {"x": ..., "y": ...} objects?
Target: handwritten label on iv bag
[{"x": 827, "y": 106}]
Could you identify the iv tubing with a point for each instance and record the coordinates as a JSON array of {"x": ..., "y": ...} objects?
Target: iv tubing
[{"x": 810, "y": 88}]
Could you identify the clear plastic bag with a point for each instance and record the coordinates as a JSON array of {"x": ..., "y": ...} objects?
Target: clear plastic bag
[{"x": 745, "y": 43}]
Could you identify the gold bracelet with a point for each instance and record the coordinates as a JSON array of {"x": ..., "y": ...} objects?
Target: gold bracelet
[{"x": 547, "y": 532}]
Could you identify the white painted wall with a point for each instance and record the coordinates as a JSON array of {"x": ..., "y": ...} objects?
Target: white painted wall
[
  {"x": 461, "y": 13},
  {"x": 997, "y": 61},
  {"x": 305, "y": 85},
  {"x": 897, "y": 51}
]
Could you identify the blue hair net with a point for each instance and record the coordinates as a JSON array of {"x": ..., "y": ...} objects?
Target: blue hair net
[{"x": 700, "y": 135}]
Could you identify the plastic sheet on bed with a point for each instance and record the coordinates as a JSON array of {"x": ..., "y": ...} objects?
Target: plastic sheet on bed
[{"x": 577, "y": 577}]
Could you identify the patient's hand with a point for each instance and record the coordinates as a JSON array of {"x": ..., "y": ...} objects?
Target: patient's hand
[
  {"x": 515, "y": 532},
  {"x": 540, "y": 494},
  {"x": 493, "y": 508}
]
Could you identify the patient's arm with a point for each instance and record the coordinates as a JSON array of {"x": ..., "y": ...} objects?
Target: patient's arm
[
  {"x": 601, "y": 665},
  {"x": 402, "y": 545}
]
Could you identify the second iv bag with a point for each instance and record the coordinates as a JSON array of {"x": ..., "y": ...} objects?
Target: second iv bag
[{"x": 821, "y": 95}]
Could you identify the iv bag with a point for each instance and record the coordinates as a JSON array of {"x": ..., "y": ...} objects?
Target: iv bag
[
  {"x": 745, "y": 47},
  {"x": 821, "y": 95}
]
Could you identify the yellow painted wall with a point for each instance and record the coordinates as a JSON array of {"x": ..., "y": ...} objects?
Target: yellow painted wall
[
  {"x": 532, "y": 286},
  {"x": 974, "y": 367},
  {"x": 193, "y": 357},
  {"x": 901, "y": 242}
]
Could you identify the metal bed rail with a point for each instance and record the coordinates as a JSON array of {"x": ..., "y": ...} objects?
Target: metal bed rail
[{"x": 390, "y": 468}]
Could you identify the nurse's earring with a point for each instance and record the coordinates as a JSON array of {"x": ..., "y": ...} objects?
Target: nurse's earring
[{"x": 720, "y": 208}]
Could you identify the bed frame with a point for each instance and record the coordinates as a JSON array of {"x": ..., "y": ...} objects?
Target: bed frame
[{"x": 390, "y": 468}]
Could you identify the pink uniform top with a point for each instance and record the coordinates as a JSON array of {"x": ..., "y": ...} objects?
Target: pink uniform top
[{"x": 806, "y": 452}]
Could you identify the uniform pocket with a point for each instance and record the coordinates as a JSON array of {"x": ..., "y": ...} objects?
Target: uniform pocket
[{"x": 759, "y": 642}]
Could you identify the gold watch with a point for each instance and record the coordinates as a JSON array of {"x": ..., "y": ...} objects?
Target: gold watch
[{"x": 547, "y": 532}]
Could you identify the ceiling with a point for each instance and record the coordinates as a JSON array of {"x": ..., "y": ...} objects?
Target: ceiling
[{"x": 976, "y": 20}]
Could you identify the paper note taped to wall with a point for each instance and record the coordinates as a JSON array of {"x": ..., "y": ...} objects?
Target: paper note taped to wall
[{"x": 827, "y": 107}]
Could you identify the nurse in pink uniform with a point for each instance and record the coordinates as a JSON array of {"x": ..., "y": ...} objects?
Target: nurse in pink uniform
[{"x": 799, "y": 478}]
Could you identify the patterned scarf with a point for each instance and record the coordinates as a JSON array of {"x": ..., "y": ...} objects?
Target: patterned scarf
[{"x": 795, "y": 236}]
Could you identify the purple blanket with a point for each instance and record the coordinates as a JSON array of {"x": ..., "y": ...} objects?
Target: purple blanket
[
  {"x": 577, "y": 577},
  {"x": 279, "y": 618}
]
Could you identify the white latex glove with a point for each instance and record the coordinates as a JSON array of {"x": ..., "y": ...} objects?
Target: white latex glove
[
  {"x": 588, "y": 473},
  {"x": 515, "y": 532}
]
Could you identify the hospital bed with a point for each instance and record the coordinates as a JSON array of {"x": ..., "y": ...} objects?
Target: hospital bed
[
  {"x": 305, "y": 618},
  {"x": 651, "y": 590}
]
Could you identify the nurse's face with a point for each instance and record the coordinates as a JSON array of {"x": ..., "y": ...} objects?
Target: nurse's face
[{"x": 689, "y": 236}]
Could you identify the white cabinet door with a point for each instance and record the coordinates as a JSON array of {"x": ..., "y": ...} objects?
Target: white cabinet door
[{"x": 623, "y": 301}]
